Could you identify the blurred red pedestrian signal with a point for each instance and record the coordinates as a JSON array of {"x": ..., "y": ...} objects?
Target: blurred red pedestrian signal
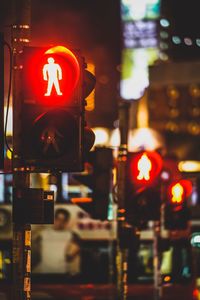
[
  {"x": 144, "y": 168},
  {"x": 142, "y": 190},
  {"x": 178, "y": 192},
  {"x": 176, "y": 208},
  {"x": 99, "y": 179},
  {"x": 50, "y": 129}
]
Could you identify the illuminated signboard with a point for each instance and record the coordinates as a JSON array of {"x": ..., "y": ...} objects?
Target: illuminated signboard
[
  {"x": 134, "y": 72},
  {"x": 140, "y": 34},
  {"x": 140, "y": 42},
  {"x": 140, "y": 9}
]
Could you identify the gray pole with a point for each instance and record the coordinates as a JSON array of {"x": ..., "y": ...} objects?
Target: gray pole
[
  {"x": 122, "y": 249},
  {"x": 157, "y": 267},
  {"x": 21, "y": 232}
]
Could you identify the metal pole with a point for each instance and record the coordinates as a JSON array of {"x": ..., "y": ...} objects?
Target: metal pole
[
  {"x": 122, "y": 249},
  {"x": 156, "y": 254},
  {"x": 1, "y": 100},
  {"x": 21, "y": 232}
]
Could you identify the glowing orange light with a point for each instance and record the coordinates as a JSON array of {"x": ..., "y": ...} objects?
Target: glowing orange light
[
  {"x": 81, "y": 200},
  {"x": 52, "y": 73},
  {"x": 167, "y": 278},
  {"x": 123, "y": 158},
  {"x": 121, "y": 210},
  {"x": 144, "y": 167},
  {"x": 177, "y": 193}
]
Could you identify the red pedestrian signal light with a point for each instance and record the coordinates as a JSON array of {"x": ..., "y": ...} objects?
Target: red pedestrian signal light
[
  {"x": 50, "y": 132},
  {"x": 178, "y": 192},
  {"x": 144, "y": 168},
  {"x": 176, "y": 208},
  {"x": 50, "y": 75},
  {"x": 142, "y": 190}
]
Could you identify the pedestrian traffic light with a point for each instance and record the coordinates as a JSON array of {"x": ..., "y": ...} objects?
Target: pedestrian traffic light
[
  {"x": 176, "y": 209},
  {"x": 143, "y": 169},
  {"x": 142, "y": 192},
  {"x": 49, "y": 134},
  {"x": 99, "y": 180}
]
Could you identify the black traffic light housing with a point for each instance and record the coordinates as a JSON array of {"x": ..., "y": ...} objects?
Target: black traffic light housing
[
  {"x": 176, "y": 220},
  {"x": 177, "y": 214},
  {"x": 142, "y": 195},
  {"x": 99, "y": 180},
  {"x": 49, "y": 134}
]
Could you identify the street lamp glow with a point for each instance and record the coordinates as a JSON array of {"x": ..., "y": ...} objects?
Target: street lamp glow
[
  {"x": 189, "y": 166},
  {"x": 164, "y": 23},
  {"x": 101, "y": 136},
  {"x": 115, "y": 138},
  {"x": 144, "y": 138}
]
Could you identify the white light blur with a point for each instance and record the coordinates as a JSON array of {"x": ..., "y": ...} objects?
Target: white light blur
[
  {"x": 138, "y": 8},
  {"x": 101, "y": 136},
  {"x": 164, "y": 23},
  {"x": 144, "y": 138},
  {"x": 194, "y": 196},
  {"x": 44, "y": 175},
  {"x": 115, "y": 138},
  {"x": 164, "y": 46},
  {"x": 176, "y": 40},
  {"x": 189, "y": 166},
  {"x": 164, "y": 34},
  {"x": 188, "y": 41},
  {"x": 134, "y": 86},
  {"x": 165, "y": 176},
  {"x": 10, "y": 121},
  {"x": 163, "y": 56},
  {"x": 198, "y": 42},
  {"x": 138, "y": 139}
]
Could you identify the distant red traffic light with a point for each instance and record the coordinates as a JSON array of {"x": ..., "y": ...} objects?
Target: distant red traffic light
[
  {"x": 177, "y": 213},
  {"x": 178, "y": 192},
  {"x": 145, "y": 168}
]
